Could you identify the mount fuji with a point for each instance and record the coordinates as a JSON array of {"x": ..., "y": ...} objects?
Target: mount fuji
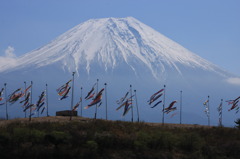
[{"x": 124, "y": 51}]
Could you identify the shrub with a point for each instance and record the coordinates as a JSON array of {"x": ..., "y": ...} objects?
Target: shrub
[
  {"x": 142, "y": 141},
  {"x": 37, "y": 136},
  {"x": 92, "y": 145},
  {"x": 105, "y": 139},
  {"x": 190, "y": 142},
  {"x": 4, "y": 140},
  {"x": 57, "y": 137},
  {"x": 20, "y": 134},
  {"x": 163, "y": 140},
  {"x": 92, "y": 149}
]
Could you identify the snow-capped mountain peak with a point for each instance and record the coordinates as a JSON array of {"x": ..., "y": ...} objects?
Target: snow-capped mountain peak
[{"x": 110, "y": 43}]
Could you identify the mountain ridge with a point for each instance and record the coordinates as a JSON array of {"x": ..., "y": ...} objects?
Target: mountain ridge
[{"x": 112, "y": 42}]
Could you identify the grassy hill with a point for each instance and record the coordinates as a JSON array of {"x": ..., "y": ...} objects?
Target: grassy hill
[{"x": 57, "y": 137}]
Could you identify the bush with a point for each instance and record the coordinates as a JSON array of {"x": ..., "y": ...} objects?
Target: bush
[
  {"x": 57, "y": 137},
  {"x": 4, "y": 140},
  {"x": 190, "y": 142},
  {"x": 142, "y": 141},
  {"x": 92, "y": 145},
  {"x": 21, "y": 135},
  {"x": 37, "y": 136},
  {"x": 105, "y": 139},
  {"x": 163, "y": 140},
  {"x": 92, "y": 149}
]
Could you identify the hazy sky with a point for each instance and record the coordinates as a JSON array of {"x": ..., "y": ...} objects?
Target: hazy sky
[{"x": 209, "y": 28}]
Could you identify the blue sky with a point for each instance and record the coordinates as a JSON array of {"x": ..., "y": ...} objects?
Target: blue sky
[{"x": 209, "y": 28}]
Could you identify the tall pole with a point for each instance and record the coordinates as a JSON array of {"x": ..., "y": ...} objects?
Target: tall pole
[
  {"x": 30, "y": 115},
  {"x": 208, "y": 111},
  {"x": 180, "y": 107},
  {"x": 38, "y": 113},
  {"x": 164, "y": 96},
  {"x": 25, "y": 96},
  {"x": 220, "y": 113},
  {"x": 95, "y": 116},
  {"x": 5, "y": 84},
  {"x": 131, "y": 101},
  {"x": 81, "y": 101},
  {"x": 136, "y": 104},
  {"x": 72, "y": 95},
  {"x": 47, "y": 98},
  {"x": 106, "y": 100}
]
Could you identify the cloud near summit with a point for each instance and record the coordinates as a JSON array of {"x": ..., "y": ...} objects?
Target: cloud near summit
[
  {"x": 9, "y": 58},
  {"x": 235, "y": 81}
]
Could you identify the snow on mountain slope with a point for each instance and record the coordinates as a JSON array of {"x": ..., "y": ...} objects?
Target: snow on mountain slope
[{"x": 110, "y": 43}]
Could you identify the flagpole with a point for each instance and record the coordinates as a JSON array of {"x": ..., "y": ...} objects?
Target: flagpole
[
  {"x": 81, "y": 101},
  {"x": 208, "y": 111},
  {"x": 25, "y": 96},
  {"x": 47, "y": 98},
  {"x": 221, "y": 114},
  {"x": 180, "y": 107},
  {"x": 131, "y": 101},
  {"x": 38, "y": 106},
  {"x": 72, "y": 95},
  {"x": 95, "y": 116},
  {"x": 5, "y": 84},
  {"x": 164, "y": 96},
  {"x": 38, "y": 113},
  {"x": 106, "y": 100},
  {"x": 30, "y": 115},
  {"x": 136, "y": 104},
  {"x": 220, "y": 120}
]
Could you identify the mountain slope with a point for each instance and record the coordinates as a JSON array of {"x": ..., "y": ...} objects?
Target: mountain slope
[{"x": 112, "y": 43}]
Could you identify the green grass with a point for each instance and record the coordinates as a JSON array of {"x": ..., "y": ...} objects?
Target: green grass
[{"x": 115, "y": 140}]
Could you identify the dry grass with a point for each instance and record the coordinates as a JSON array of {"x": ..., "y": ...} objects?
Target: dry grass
[
  {"x": 84, "y": 119},
  {"x": 44, "y": 119},
  {"x": 171, "y": 125}
]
